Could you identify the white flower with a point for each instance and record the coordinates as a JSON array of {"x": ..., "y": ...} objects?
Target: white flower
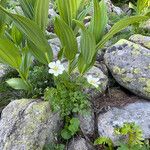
[
  {"x": 93, "y": 81},
  {"x": 56, "y": 68}
]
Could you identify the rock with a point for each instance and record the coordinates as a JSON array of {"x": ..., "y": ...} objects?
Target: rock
[
  {"x": 87, "y": 123},
  {"x": 140, "y": 39},
  {"x": 55, "y": 45},
  {"x": 80, "y": 144},
  {"x": 98, "y": 73},
  {"x": 28, "y": 125},
  {"x": 51, "y": 11},
  {"x": 129, "y": 64},
  {"x": 138, "y": 112},
  {"x": 3, "y": 69},
  {"x": 112, "y": 8}
]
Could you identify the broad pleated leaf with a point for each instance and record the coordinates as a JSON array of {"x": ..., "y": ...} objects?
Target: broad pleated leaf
[
  {"x": 9, "y": 53},
  {"x": 120, "y": 25},
  {"x": 68, "y": 10},
  {"x": 17, "y": 83},
  {"x": 40, "y": 46},
  {"x": 67, "y": 38},
  {"x": 88, "y": 50},
  {"x": 27, "y": 7},
  {"x": 99, "y": 21},
  {"x": 41, "y": 13}
]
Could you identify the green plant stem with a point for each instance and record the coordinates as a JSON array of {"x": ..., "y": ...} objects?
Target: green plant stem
[{"x": 25, "y": 81}]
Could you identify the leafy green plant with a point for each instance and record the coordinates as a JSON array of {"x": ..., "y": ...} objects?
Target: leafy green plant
[
  {"x": 67, "y": 95},
  {"x": 142, "y": 7},
  {"x": 105, "y": 141},
  {"x": 70, "y": 128},
  {"x": 40, "y": 79},
  {"x": 92, "y": 37},
  {"x": 132, "y": 140},
  {"x": 18, "y": 46},
  {"x": 133, "y": 133}
]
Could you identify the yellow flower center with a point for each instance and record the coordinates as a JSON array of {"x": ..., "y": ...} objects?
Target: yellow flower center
[{"x": 55, "y": 68}]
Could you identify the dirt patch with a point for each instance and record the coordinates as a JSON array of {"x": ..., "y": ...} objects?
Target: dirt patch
[{"x": 114, "y": 97}]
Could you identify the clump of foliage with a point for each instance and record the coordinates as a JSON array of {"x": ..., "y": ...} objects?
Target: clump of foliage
[
  {"x": 40, "y": 79},
  {"x": 70, "y": 129},
  {"x": 68, "y": 95},
  {"x": 133, "y": 139}
]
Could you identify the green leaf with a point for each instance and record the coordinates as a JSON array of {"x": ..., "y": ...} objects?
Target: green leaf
[
  {"x": 68, "y": 10},
  {"x": 39, "y": 44},
  {"x": 27, "y": 7},
  {"x": 66, "y": 134},
  {"x": 41, "y": 13},
  {"x": 26, "y": 62},
  {"x": 16, "y": 35},
  {"x": 9, "y": 53},
  {"x": 99, "y": 21},
  {"x": 74, "y": 125},
  {"x": 17, "y": 83},
  {"x": 88, "y": 50},
  {"x": 67, "y": 38},
  {"x": 120, "y": 25}
]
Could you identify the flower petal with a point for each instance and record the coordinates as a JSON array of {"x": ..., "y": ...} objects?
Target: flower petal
[{"x": 51, "y": 64}]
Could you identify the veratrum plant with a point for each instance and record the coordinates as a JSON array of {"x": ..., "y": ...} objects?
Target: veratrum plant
[
  {"x": 70, "y": 10},
  {"x": 27, "y": 38},
  {"x": 92, "y": 37},
  {"x": 142, "y": 7}
]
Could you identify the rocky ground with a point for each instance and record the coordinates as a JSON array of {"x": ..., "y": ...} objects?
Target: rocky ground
[{"x": 124, "y": 72}]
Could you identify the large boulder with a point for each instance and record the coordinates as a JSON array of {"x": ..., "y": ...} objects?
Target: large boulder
[
  {"x": 28, "y": 125},
  {"x": 129, "y": 64},
  {"x": 138, "y": 112},
  {"x": 80, "y": 144}
]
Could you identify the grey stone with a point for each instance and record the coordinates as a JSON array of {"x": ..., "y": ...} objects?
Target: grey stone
[
  {"x": 55, "y": 45},
  {"x": 103, "y": 78},
  {"x": 28, "y": 125},
  {"x": 87, "y": 123},
  {"x": 129, "y": 64},
  {"x": 2, "y": 69},
  {"x": 112, "y": 8},
  {"x": 138, "y": 112},
  {"x": 80, "y": 144},
  {"x": 140, "y": 39}
]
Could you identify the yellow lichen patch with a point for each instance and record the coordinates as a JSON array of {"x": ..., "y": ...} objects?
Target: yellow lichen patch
[
  {"x": 118, "y": 70},
  {"x": 135, "y": 52},
  {"x": 147, "y": 88},
  {"x": 136, "y": 71},
  {"x": 142, "y": 79},
  {"x": 127, "y": 79}
]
